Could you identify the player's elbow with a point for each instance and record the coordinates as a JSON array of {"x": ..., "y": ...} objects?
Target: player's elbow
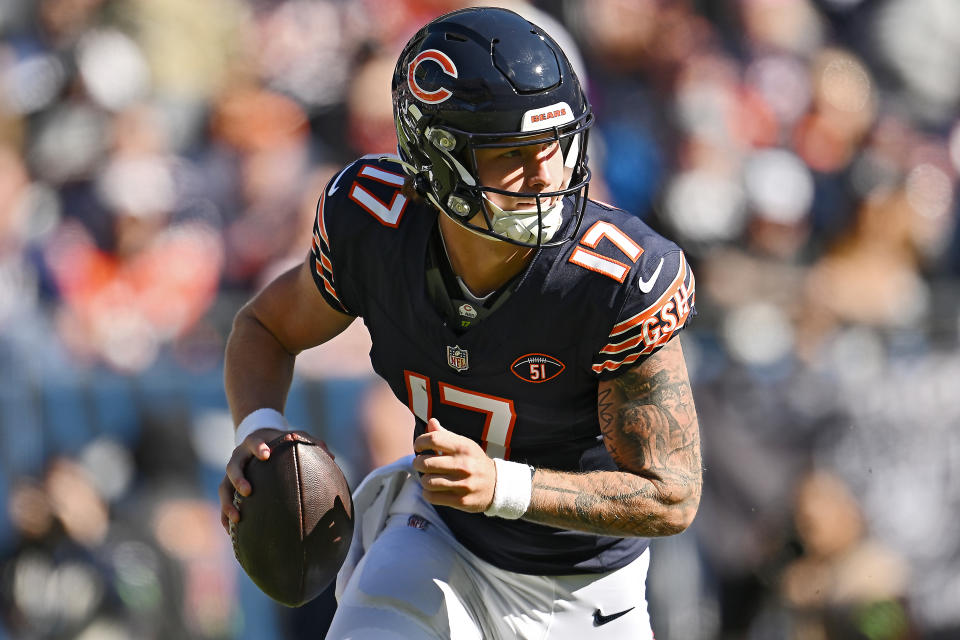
[
  {"x": 680, "y": 508},
  {"x": 250, "y": 328},
  {"x": 680, "y": 516}
]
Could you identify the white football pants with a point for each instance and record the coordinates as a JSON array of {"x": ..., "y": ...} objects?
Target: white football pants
[{"x": 415, "y": 581}]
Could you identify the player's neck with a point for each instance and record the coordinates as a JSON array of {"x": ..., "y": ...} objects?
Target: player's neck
[{"x": 484, "y": 264}]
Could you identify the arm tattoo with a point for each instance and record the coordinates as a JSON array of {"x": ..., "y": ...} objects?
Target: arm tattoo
[
  {"x": 605, "y": 407},
  {"x": 649, "y": 425}
]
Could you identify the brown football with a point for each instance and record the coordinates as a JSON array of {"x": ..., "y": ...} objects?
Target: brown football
[{"x": 295, "y": 526}]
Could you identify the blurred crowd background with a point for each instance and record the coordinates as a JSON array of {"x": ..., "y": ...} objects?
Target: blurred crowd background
[{"x": 160, "y": 160}]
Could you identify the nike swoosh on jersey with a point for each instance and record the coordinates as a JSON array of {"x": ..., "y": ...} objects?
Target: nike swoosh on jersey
[
  {"x": 646, "y": 286},
  {"x": 599, "y": 619}
]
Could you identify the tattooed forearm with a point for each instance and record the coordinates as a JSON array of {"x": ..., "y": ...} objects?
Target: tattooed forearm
[
  {"x": 602, "y": 502},
  {"x": 649, "y": 425}
]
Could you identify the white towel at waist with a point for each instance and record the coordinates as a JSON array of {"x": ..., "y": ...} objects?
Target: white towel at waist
[{"x": 371, "y": 506}]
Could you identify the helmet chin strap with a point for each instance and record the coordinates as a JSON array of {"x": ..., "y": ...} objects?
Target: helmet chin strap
[{"x": 522, "y": 224}]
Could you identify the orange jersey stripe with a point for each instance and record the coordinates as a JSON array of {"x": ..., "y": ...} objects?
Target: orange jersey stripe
[
  {"x": 674, "y": 286},
  {"x": 320, "y": 222}
]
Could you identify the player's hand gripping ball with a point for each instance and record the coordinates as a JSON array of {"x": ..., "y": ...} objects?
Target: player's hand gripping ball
[{"x": 296, "y": 525}]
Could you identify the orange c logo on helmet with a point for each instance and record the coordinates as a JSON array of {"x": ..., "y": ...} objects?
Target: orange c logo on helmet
[{"x": 437, "y": 95}]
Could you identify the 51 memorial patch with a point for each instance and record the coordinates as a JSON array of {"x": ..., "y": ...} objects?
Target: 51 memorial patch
[{"x": 537, "y": 367}]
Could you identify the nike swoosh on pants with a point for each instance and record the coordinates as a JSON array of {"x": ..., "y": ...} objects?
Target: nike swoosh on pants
[{"x": 600, "y": 619}]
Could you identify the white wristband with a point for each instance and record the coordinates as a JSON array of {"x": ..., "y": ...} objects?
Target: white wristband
[
  {"x": 260, "y": 419},
  {"x": 511, "y": 494}
]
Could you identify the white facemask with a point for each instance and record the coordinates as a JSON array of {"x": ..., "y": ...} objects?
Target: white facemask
[{"x": 521, "y": 224}]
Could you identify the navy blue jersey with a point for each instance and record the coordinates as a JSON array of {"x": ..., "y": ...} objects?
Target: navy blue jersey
[{"x": 522, "y": 383}]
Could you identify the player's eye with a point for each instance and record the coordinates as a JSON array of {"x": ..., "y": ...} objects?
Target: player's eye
[
  {"x": 510, "y": 153},
  {"x": 549, "y": 147}
]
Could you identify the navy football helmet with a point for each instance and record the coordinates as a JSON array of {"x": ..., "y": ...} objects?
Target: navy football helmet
[{"x": 481, "y": 78}]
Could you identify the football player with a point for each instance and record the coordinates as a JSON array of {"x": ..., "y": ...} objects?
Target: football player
[{"x": 531, "y": 331}]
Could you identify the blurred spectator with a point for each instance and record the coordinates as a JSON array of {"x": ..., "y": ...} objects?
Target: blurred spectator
[
  {"x": 870, "y": 276},
  {"x": 266, "y": 134},
  {"x": 369, "y": 106},
  {"x": 765, "y": 419},
  {"x": 845, "y": 584}
]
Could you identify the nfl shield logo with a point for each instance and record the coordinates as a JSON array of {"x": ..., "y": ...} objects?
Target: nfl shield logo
[{"x": 457, "y": 358}]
